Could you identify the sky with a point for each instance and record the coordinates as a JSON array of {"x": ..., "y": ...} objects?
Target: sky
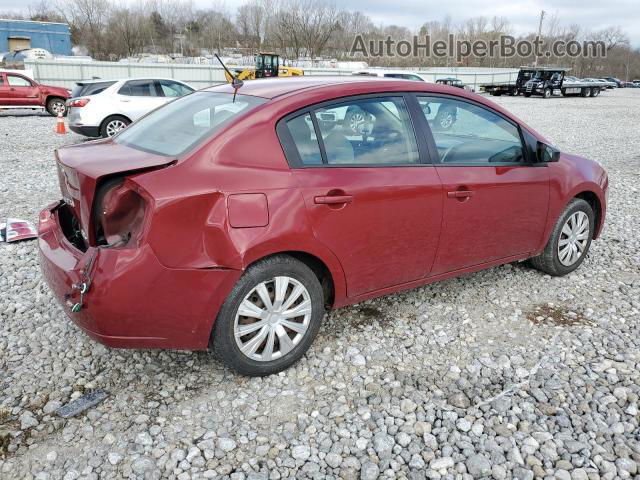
[{"x": 523, "y": 14}]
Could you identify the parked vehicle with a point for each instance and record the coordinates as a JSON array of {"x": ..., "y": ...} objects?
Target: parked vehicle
[
  {"x": 101, "y": 108},
  {"x": 609, "y": 84},
  {"x": 231, "y": 219},
  {"x": 400, "y": 74},
  {"x": 453, "y": 82},
  {"x": 17, "y": 91},
  {"x": 618, "y": 83},
  {"x": 266, "y": 65},
  {"x": 545, "y": 82}
]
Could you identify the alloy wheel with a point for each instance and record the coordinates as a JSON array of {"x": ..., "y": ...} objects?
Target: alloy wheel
[
  {"x": 574, "y": 237},
  {"x": 114, "y": 126},
  {"x": 272, "y": 319},
  {"x": 58, "y": 107},
  {"x": 356, "y": 122},
  {"x": 446, "y": 121}
]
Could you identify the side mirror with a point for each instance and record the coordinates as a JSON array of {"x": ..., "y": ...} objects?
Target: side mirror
[{"x": 547, "y": 153}]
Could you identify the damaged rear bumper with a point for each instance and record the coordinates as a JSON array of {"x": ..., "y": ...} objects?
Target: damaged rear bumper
[{"x": 133, "y": 301}]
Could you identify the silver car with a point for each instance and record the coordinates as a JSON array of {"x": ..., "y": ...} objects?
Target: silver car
[{"x": 101, "y": 108}]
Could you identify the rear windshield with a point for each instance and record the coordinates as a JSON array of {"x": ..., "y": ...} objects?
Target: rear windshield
[
  {"x": 184, "y": 123},
  {"x": 86, "y": 89}
]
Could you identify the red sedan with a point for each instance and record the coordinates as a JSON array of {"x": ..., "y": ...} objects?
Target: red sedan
[{"x": 232, "y": 220}]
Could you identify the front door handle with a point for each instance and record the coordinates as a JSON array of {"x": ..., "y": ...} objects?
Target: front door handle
[
  {"x": 460, "y": 194},
  {"x": 333, "y": 199}
]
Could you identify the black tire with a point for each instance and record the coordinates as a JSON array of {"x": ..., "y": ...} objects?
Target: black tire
[
  {"x": 56, "y": 105},
  {"x": 527, "y": 94},
  {"x": 595, "y": 92},
  {"x": 548, "y": 261},
  {"x": 110, "y": 122},
  {"x": 585, "y": 92},
  {"x": 547, "y": 93},
  {"x": 222, "y": 337}
]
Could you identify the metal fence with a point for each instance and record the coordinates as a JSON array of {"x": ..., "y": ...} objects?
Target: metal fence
[{"x": 66, "y": 73}]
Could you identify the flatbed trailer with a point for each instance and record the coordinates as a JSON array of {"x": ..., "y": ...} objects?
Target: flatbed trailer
[{"x": 544, "y": 82}]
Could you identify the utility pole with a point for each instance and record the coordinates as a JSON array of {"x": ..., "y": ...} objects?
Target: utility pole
[{"x": 542, "y": 13}]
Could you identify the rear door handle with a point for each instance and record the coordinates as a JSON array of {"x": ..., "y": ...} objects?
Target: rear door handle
[
  {"x": 460, "y": 194},
  {"x": 333, "y": 199}
]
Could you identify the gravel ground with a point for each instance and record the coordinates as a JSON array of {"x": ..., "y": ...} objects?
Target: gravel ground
[{"x": 502, "y": 374}]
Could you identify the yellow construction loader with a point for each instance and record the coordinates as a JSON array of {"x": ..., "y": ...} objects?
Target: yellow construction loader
[{"x": 267, "y": 65}]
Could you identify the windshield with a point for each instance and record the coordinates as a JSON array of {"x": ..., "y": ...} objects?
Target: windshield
[{"x": 184, "y": 123}]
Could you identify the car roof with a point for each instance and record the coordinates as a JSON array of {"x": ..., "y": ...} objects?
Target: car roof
[
  {"x": 101, "y": 80},
  {"x": 275, "y": 87}
]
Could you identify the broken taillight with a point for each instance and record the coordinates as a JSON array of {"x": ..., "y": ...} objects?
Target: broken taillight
[
  {"x": 78, "y": 102},
  {"x": 119, "y": 214}
]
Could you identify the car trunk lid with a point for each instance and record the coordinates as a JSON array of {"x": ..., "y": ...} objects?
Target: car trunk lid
[{"x": 81, "y": 168}]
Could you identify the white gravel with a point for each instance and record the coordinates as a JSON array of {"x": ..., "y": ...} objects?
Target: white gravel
[{"x": 503, "y": 374}]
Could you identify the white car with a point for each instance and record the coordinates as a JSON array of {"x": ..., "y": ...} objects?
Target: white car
[
  {"x": 101, "y": 108},
  {"x": 402, "y": 74}
]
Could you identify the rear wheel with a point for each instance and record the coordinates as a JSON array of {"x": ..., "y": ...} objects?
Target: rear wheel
[
  {"x": 527, "y": 94},
  {"x": 570, "y": 240},
  {"x": 113, "y": 124},
  {"x": 595, "y": 92},
  {"x": 357, "y": 121},
  {"x": 56, "y": 106},
  {"x": 445, "y": 119},
  {"x": 270, "y": 318},
  {"x": 585, "y": 92}
]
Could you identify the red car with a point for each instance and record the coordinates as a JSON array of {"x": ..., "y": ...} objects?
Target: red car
[
  {"x": 19, "y": 91},
  {"x": 232, "y": 220}
]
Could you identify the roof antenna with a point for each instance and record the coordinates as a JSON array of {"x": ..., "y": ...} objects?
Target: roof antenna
[{"x": 236, "y": 83}]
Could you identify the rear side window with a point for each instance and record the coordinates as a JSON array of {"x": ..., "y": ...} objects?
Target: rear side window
[
  {"x": 304, "y": 137},
  {"x": 375, "y": 131},
  {"x": 86, "y": 89},
  {"x": 173, "y": 89},
  {"x": 139, "y": 88},
  {"x": 465, "y": 133},
  {"x": 186, "y": 122}
]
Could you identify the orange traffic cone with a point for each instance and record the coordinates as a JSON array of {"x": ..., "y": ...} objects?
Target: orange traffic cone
[{"x": 60, "y": 128}]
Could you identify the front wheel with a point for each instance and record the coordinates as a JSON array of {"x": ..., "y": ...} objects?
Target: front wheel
[
  {"x": 270, "y": 318},
  {"x": 547, "y": 93},
  {"x": 570, "y": 240}
]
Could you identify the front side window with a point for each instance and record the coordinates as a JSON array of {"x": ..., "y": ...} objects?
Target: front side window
[
  {"x": 186, "y": 122},
  {"x": 375, "y": 131},
  {"x": 139, "y": 88},
  {"x": 465, "y": 133},
  {"x": 16, "y": 81}
]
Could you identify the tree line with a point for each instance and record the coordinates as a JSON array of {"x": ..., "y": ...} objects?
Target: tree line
[{"x": 312, "y": 29}]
